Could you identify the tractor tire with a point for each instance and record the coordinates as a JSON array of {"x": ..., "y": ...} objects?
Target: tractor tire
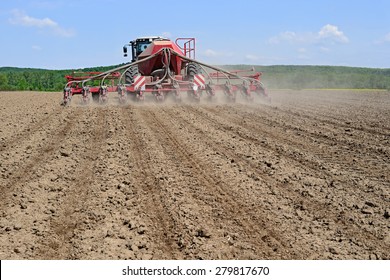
[
  {"x": 192, "y": 70},
  {"x": 131, "y": 74}
]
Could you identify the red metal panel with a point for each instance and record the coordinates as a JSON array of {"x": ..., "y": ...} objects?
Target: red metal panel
[{"x": 147, "y": 67}]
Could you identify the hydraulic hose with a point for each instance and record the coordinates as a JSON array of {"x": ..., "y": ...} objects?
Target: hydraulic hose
[{"x": 215, "y": 68}]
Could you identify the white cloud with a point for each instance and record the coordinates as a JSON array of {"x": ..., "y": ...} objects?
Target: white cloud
[
  {"x": 324, "y": 49},
  {"x": 217, "y": 57},
  {"x": 285, "y": 36},
  {"x": 328, "y": 33},
  {"x": 166, "y": 34},
  {"x": 387, "y": 37},
  {"x": 302, "y": 50},
  {"x": 293, "y": 38},
  {"x": 332, "y": 32},
  {"x": 210, "y": 53},
  {"x": 213, "y": 53},
  {"x": 36, "y": 48},
  {"x": 252, "y": 57},
  {"x": 21, "y": 18}
]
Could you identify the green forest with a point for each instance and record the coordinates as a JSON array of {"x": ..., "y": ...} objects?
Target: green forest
[
  {"x": 274, "y": 77},
  {"x": 12, "y": 78},
  {"x": 333, "y": 77}
]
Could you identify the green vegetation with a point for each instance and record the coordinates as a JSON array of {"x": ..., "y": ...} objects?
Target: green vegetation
[
  {"x": 12, "y": 78},
  {"x": 281, "y": 76},
  {"x": 339, "y": 77}
]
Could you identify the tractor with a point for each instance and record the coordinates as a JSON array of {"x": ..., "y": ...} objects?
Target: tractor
[{"x": 163, "y": 68}]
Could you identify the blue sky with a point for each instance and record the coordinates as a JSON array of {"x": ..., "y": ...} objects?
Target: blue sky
[{"x": 61, "y": 34}]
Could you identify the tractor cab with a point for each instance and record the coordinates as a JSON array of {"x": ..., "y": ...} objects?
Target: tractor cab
[{"x": 139, "y": 45}]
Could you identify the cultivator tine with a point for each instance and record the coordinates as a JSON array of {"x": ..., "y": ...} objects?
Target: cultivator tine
[
  {"x": 261, "y": 91},
  {"x": 176, "y": 89},
  {"x": 140, "y": 96},
  {"x": 210, "y": 91},
  {"x": 229, "y": 93},
  {"x": 67, "y": 96},
  {"x": 246, "y": 91},
  {"x": 103, "y": 94},
  {"x": 86, "y": 94},
  {"x": 194, "y": 94},
  {"x": 122, "y": 94},
  {"x": 158, "y": 93}
]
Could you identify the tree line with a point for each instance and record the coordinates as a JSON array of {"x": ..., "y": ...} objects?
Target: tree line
[
  {"x": 301, "y": 77},
  {"x": 12, "y": 78},
  {"x": 280, "y": 76}
]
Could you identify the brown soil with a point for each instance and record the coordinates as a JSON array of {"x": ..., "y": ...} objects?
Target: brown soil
[{"x": 305, "y": 177}]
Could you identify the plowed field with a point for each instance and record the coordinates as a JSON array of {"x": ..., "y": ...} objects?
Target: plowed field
[{"x": 304, "y": 177}]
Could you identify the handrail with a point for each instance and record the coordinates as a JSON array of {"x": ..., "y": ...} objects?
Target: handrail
[{"x": 188, "y": 47}]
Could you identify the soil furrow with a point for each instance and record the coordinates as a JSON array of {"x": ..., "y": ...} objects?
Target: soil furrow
[
  {"x": 310, "y": 204},
  {"x": 322, "y": 158},
  {"x": 258, "y": 231},
  {"x": 309, "y": 129},
  {"x": 16, "y": 139},
  {"x": 71, "y": 210},
  {"x": 305, "y": 177},
  {"x": 150, "y": 185},
  {"x": 26, "y": 169}
]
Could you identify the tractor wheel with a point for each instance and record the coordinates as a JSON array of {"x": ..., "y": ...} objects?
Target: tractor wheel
[
  {"x": 192, "y": 70},
  {"x": 130, "y": 74}
]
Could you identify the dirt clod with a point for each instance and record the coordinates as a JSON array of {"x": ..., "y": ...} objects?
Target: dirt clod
[{"x": 387, "y": 213}]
